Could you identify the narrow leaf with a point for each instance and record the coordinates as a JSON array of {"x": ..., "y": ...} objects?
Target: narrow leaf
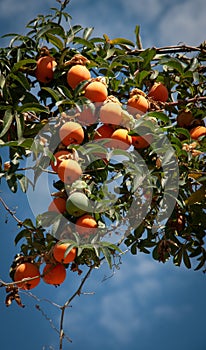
[{"x": 7, "y": 121}]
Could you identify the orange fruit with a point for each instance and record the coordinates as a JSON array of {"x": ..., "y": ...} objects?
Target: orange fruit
[
  {"x": 27, "y": 270},
  {"x": 45, "y": 69},
  {"x": 58, "y": 205},
  {"x": 184, "y": 119},
  {"x": 198, "y": 131},
  {"x": 96, "y": 91},
  {"x": 111, "y": 113},
  {"x": 158, "y": 92},
  {"x": 103, "y": 132},
  {"x": 137, "y": 103},
  {"x": 142, "y": 141},
  {"x": 71, "y": 132},
  {"x": 87, "y": 116},
  {"x": 60, "y": 155},
  {"x": 76, "y": 74},
  {"x": 69, "y": 171},
  {"x": 86, "y": 225},
  {"x": 120, "y": 139},
  {"x": 54, "y": 274},
  {"x": 59, "y": 253}
]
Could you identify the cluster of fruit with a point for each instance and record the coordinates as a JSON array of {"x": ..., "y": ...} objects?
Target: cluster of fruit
[
  {"x": 27, "y": 274},
  {"x": 109, "y": 120},
  {"x": 96, "y": 91}
]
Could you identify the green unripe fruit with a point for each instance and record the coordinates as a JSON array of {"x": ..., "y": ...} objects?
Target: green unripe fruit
[{"x": 78, "y": 204}]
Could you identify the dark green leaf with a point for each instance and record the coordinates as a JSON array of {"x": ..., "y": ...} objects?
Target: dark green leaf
[
  {"x": 32, "y": 107},
  {"x": 22, "y": 63},
  {"x": 186, "y": 259},
  {"x": 22, "y": 234},
  {"x": 81, "y": 41},
  {"x": 53, "y": 39},
  {"x": 22, "y": 80},
  {"x": 52, "y": 92}
]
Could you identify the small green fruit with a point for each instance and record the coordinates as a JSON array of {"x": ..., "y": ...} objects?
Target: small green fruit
[{"x": 78, "y": 204}]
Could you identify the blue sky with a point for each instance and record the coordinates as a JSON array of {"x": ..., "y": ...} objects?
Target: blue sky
[{"x": 144, "y": 305}]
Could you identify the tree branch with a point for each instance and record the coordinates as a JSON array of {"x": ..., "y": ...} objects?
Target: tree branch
[
  {"x": 11, "y": 212},
  {"x": 63, "y": 308}
]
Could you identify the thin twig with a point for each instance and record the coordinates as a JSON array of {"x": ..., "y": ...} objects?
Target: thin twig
[
  {"x": 11, "y": 212},
  {"x": 66, "y": 304}
]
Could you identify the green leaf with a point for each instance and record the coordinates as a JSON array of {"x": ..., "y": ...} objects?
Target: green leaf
[
  {"x": 106, "y": 252},
  {"x": 52, "y": 92},
  {"x": 28, "y": 223},
  {"x": 78, "y": 40},
  {"x": 70, "y": 247},
  {"x": 71, "y": 33},
  {"x": 34, "y": 107},
  {"x": 111, "y": 246},
  {"x": 186, "y": 259},
  {"x": 64, "y": 91},
  {"x": 147, "y": 55},
  {"x": 51, "y": 27},
  {"x": 128, "y": 58},
  {"x": 159, "y": 116},
  {"x": 22, "y": 63},
  {"x": 22, "y": 234},
  {"x": 53, "y": 39},
  {"x": 172, "y": 62},
  {"x": 118, "y": 41},
  {"x": 20, "y": 125},
  {"x": 134, "y": 249},
  {"x": 178, "y": 258},
  {"x": 23, "y": 182},
  {"x": 20, "y": 77},
  {"x": 7, "y": 121},
  {"x": 47, "y": 218},
  {"x": 87, "y": 32},
  {"x": 138, "y": 38},
  {"x": 12, "y": 182}
]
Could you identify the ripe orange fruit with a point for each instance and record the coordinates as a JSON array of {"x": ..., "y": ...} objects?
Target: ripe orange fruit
[
  {"x": 76, "y": 74},
  {"x": 103, "y": 132},
  {"x": 137, "y": 103},
  {"x": 27, "y": 270},
  {"x": 111, "y": 113},
  {"x": 87, "y": 116},
  {"x": 142, "y": 141},
  {"x": 198, "y": 131},
  {"x": 184, "y": 119},
  {"x": 54, "y": 274},
  {"x": 58, "y": 205},
  {"x": 86, "y": 225},
  {"x": 120, "y": 139},
  {"x": 45, "y": 69},
  {"x": 71, "y": 132},
  {"x": 158, "y": 92},
  {"x": 59, "y": 253},
  {"x": 96, "y": 91},
  {"x": 60, "y": 155},
  {"x": 69, "y": 171}
]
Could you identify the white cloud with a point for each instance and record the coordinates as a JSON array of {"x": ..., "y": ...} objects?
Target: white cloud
[{"x": 185, "y": 22}]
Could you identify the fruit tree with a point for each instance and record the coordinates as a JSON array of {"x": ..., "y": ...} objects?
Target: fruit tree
[{"x": 119, "y": 132}]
